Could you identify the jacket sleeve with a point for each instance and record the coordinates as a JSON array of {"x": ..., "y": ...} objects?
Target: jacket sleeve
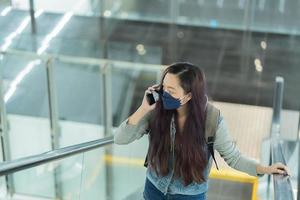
[
  {"x": 230, "y": 153},
  {"x": 127, "y": 133}
]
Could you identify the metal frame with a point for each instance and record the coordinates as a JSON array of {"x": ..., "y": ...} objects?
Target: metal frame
[
  {"x": 298, "y": 182},
  {"x": 282, "y": 185},
  {"x": 105, "y": 69},
  {"x": 275, "y": 124},
  {"x": 32, "y": 18},
  {"x": 277, "y": 105},
  {"x": 105, "y": 66},
  {"x": 107, "y": 102},
  {"x": 54, "y": 122},
  {"x": 5, "y": 144}
]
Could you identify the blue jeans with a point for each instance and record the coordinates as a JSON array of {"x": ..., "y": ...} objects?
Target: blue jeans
[{"x": 152, "y": 193}]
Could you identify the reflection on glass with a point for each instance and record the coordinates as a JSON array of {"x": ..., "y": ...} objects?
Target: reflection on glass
[
  {"x": 61, "y": 179},
  {"x": 154, "y": 10},
  {"x": 129, "y": 85},
  {"x": 79, "y": 7},
  {"x": 26, "y": 101},
  {"x": 79, "y": 98}
]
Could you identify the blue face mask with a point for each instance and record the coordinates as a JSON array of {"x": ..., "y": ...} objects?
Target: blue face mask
[{"x": 169, "y": 102}]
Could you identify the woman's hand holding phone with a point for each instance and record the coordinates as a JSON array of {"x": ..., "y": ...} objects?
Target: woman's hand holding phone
[
  {"x": 145, "y": 104},
  {"x": 144, "y": 108}
]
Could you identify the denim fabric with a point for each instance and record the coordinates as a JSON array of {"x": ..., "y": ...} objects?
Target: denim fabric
[
  {"x": 152, "y": 193},
  {"x": 169, "y": 184}
]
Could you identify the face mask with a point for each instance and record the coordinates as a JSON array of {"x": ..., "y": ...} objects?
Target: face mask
[{"x": 169, "y": 102}]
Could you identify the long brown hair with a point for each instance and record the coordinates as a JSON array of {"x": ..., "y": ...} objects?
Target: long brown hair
[{"x": 190, "y": 145}]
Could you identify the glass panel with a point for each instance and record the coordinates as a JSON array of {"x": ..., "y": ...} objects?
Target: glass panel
[
  {"x": 135, "y": 53},
  {"x": 26, "y": 101},
  {"x": 60, "y": 179},
  {"x": 215, "y": 13},
  {"x": 27, "y": 106},
  {"x": 75, "y": 47},
  {"x": 155, "y": 10},
  {"x": 128, "y": 85},
  {"x": 260, "y": 15},
  {"x": 95, "y": 176},
  {"x": 79, "y": 7},
  {"x": 80, "y": 100},
  {"x": 127, "y": 169},
  {"x": 56, "y": 33},
  {"x": 276, "y": 16},
  {"x": 290, "y": 150},
  {"x": 5, "y": 8},
  {"x": 123, "y": 161},
  {"x": 2, "y": 179},
  {"x": 114, "y": 172}
]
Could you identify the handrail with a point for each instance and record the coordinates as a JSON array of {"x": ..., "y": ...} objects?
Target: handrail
[
  {"x": 9, "y": 167},
  {"x": 103, "y": 67},
  {"x": 86, "y": 60},
  {"x": 278, "y": 99},
  {"x": 282, "y": 184}
]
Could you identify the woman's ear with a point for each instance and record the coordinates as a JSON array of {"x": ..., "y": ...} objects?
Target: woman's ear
[{"x": 186, "y": 98}]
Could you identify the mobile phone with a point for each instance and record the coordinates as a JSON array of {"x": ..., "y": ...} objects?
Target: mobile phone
[{"x": 152, "y": 97}]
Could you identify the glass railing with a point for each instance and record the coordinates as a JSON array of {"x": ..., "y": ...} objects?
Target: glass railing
[
  {"x": 73, "y": 172},
  {"x": 38, "y": 89},
  {"x": 287, "y": 153},
  {"x": 283, "y": 151},
  {"x": 112, "y": 90},
  {"x": 258, "y": 15},
  {"x": 83, "y": 98}
]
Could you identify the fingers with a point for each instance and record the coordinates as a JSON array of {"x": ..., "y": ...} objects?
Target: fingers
[
  {"x": 148, "y": 91},
  {"x": 152, "y": 88},
  {"x": 281, "y": 166},
  {"x": 155, "y": 86},
  {"x": 281, "y": 169}
]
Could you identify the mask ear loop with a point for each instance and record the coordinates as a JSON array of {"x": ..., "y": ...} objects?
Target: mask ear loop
[
  {"x": 183, "y": 98},
  {"x": 180, "y": 99}
]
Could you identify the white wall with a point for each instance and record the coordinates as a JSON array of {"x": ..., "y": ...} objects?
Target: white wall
[{"x": 249, "y": 125}]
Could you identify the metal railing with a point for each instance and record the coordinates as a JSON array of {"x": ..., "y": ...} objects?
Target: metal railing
[
  {"x": 282, "y": 184},
  {"x": 9, "y": 167},
  {"x": 103, "y": 66}
]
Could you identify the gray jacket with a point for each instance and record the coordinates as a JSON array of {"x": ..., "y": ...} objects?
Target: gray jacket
[{"x": 127, "y": 133}]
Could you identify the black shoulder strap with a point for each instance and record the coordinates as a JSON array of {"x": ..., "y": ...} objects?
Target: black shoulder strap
[
  {"x": 211, "y": 125},
  {"x": 146, "y": 159}
]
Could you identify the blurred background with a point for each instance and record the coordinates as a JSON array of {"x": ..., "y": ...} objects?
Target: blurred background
[{"x": 71, "y": 71}]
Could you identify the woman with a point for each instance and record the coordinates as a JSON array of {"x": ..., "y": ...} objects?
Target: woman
[{"x": 178, "y": 158}]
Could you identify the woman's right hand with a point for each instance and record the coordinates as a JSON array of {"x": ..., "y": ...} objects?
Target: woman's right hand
[{"x": 145, "y": 105}]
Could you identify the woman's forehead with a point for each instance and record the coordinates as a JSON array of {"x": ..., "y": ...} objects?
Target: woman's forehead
[{"x": 171, "y": 80}]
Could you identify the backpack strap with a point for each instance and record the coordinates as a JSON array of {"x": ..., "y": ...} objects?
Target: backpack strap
[
  {"x": 146, "y": 159},
  {"x": 211, "y": 125}
]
